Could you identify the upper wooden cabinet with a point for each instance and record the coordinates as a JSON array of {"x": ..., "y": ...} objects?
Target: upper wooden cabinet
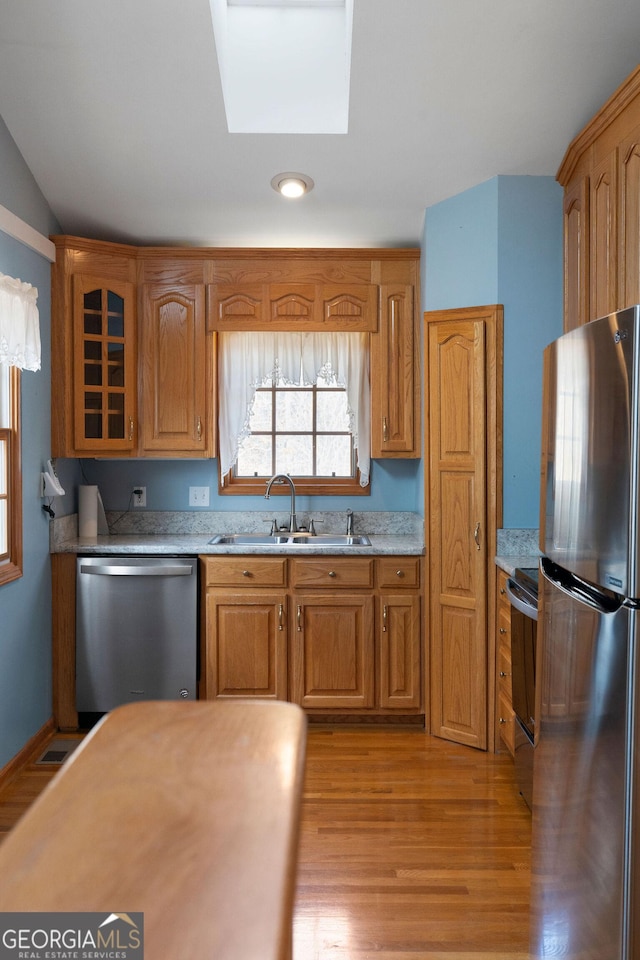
[
  {"x": 173, "y": 370},
  {"x": 395, "y": 375},
  {"x": 293, "y": 306},
  {"x": 129, "y": 358},
  {"x": 134, "y": 333},
  {"x": 601, "y": 177}
]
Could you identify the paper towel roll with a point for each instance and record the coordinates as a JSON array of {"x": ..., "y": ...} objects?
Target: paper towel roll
[{"x": 87, "y": 511}]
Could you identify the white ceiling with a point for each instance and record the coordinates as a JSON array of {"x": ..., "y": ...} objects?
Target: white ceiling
[{"x": 116, "y": 106}]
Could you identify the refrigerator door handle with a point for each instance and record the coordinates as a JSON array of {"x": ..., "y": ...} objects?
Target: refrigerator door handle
[{"x": 598, "y": 599}]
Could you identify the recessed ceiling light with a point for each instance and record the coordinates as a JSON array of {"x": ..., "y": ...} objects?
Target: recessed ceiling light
[{"x": 292, "y": 185}]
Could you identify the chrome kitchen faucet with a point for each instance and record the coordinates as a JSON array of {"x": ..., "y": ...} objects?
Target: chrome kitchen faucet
[{"x": 285, "y": 478}]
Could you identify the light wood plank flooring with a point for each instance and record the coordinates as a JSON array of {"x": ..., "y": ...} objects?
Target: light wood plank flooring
[{"x": 410, "y": 848}]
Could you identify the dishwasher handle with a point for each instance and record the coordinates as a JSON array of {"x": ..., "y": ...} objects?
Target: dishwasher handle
[{"x": 157, "y": 570}]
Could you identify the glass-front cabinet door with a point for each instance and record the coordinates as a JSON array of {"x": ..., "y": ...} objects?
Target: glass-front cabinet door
[{"x": 104, "y": 365}]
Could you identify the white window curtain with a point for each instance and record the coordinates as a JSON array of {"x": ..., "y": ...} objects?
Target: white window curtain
[
  {"x": 247, "y": 359},
  {"x": 19, "y": 324}
]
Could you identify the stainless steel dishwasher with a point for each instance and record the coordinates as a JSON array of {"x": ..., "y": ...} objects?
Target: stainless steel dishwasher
[{"x": 136, "y": 630}]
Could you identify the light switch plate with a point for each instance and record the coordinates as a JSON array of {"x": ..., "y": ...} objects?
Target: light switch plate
[{"x": 198, "y": 496}]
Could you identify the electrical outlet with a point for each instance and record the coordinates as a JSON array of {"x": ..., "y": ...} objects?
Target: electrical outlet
[
  {"x": 139, "y": 496},
  {"x": 198, "y": 496}
]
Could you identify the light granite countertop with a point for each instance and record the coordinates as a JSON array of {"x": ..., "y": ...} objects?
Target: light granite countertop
[
  {"x": 188, "y": 534},
  {"x": 517, "y": 548}
]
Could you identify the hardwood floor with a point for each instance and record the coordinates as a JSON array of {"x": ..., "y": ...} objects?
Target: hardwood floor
[{"x": 410, "y": 848}]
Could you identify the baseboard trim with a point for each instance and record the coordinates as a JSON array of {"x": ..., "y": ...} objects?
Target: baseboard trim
[{"x": 29, "y": 753}]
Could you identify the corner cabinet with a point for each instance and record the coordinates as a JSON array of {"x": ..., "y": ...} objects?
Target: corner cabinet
[
  {"x": 600, "y": 174},
  {"x": 131, "y": 360}
]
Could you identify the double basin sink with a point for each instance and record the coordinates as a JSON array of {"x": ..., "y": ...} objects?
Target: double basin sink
[{"x": 283, "y": 539}]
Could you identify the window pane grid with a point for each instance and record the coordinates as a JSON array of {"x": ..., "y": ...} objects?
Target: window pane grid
[{"x": 277, "y": 442}]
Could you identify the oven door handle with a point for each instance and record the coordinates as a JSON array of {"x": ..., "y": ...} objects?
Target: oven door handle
[{"x": 519, "y": 599}]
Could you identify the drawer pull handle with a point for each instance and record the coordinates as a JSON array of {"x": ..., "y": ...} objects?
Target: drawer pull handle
[
  {"x": 385, "y": 430},
  {"x": 280, "y": 616},
  {"x": 131, "y": 428},
  {"x": 199, "y": 428},
  {"x": 332, "y": 573},
  {"x": 476, "y": 535},
  {"x": 246, "y": 573},
  {"x": 384, "y": 618},
  {"x": 299, "y": 616}
]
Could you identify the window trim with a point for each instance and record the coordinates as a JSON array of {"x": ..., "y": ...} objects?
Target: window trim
[{"x": 12, "y": 568}]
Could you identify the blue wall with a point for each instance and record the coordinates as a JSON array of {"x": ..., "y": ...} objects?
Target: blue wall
[
  {"x": 501, "y": 242},
  {"x": 394, "y": 486},
  {"x": 25, "y": 604}
]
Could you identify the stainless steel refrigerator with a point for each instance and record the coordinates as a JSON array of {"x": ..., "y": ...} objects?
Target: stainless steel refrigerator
[{"x": 586, "y": 807}]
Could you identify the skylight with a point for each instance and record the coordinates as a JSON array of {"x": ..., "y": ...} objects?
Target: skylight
[{"x": 284, "y": 64}]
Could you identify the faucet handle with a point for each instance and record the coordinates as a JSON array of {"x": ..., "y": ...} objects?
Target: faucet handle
[
  {"x": 312, "y": 526},
  {"x": 274, "y": 527}
]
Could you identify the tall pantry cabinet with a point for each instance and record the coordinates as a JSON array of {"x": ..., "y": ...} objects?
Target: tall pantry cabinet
[{"x": 463, "y": 501}]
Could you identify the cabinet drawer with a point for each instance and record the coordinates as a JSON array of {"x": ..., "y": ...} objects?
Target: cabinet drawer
[
  {"x": 333, "y": 572},
  {"x": 504, "y": 671},
  {"x": 504, "y": 627},
  {"x": 398, "y": 572},
  {"x": 247, "y": 571},
  {"x": 506, "y": 723}
]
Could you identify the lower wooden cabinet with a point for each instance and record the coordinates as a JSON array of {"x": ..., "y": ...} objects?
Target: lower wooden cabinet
[
  {"x": 332, "y": 652},
  {"x": 505, "y": 728},
  {"x": 247, "y": 646},
  {"x": 324, "y": 632}
]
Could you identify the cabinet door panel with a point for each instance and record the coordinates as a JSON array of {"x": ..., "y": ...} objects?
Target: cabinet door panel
[
  {"x": 246, "y": 646},
  {"x": 394, "y": 426},
  {"x": 399, "y": 637},
  {"x": 629, "y": 227},
  {"x": 332, "y": 652},
  {"x": 462, "y": 360},
  {"x": 173, "y": 349},
  {"x": 576, "y": 255},
  {"x": 104, "y": 384},
  {"x": 603, "y": 227}
]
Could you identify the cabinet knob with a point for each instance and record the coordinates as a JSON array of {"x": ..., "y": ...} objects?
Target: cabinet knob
[
  {"x": 502, "y": 720},
  {"x": 246, "y": 573},
  {"x": 332, "y": 573},
  {"x": 503, "y": 674},
  {"x": 502, "y": 630},
  {"x": 399, "y": 573}
]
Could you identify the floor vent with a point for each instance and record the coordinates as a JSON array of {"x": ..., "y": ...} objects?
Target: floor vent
[{"x": 58, "y": 750}]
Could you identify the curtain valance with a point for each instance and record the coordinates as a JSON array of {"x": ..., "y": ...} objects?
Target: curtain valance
[
  {"x": 247, "y": 359},
  {"x": 19, "y": 324}
]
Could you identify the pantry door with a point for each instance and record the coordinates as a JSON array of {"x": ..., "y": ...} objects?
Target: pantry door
[{"x": 463, "y": 503}]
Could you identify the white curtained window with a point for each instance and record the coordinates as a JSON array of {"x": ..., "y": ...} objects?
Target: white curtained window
[
  {"x": 19, "y": 324},
  {"x": 248, "y": 359}
]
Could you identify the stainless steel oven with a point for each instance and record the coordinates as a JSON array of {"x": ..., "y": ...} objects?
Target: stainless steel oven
[{"x": 522, "y": 590}]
